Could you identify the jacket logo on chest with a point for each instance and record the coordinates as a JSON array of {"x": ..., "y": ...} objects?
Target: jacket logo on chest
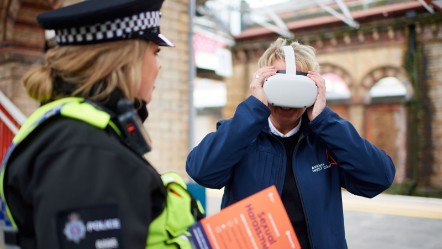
[
  {"x": 330, "y": 162},
  {"x": 318, "y": 167}
]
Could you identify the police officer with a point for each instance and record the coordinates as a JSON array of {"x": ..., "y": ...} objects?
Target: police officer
[{"x": 75, "y": 175}]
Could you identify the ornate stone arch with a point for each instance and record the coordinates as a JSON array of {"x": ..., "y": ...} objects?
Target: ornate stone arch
[
  {"x": 330, "y": 68},
  {"x": 387, "y": 71},
  {"x": 342, "y": 73}
]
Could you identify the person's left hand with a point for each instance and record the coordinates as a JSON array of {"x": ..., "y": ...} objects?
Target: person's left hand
[{"x": 320, "y": 103}]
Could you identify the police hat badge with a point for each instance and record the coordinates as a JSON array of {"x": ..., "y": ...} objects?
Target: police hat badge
[
  {"x": 97, "y": 21},
  {"x": 290, "y": 89}
]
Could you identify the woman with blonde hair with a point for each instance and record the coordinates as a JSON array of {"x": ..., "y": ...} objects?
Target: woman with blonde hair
[
  {"x": 309, "y": 154},
  {"x": 75, "y": 175}
]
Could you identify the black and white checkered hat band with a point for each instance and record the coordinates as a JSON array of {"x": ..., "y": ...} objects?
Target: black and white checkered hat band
[{"x": 121, "y": 28}]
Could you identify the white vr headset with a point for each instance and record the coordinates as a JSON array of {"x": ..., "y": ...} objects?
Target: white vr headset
[{"x": 290, "y": 89}]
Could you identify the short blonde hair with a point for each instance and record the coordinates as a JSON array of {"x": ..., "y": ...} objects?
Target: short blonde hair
[
  {"x": 305, "y": 55},
  {"x": 94, "y": 71}
]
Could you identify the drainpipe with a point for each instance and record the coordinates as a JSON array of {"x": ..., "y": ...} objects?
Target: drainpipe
[
  {"x": 411, "y": 68},
  {"x": 199, "y": 192},
  {"x": 191, "y": 76}
]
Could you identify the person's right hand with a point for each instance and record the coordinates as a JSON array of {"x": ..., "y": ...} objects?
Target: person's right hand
[{"x": 258, "y": 81}]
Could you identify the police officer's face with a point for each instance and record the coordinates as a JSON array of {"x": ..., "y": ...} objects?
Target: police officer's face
[{"x": 149, "y": 71}]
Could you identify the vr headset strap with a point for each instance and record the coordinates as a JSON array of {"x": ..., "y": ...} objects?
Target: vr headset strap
[{"x": 289, "y": 55}]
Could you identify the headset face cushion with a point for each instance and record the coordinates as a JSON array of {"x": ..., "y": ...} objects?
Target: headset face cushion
[{"x": 294, "y": 91}]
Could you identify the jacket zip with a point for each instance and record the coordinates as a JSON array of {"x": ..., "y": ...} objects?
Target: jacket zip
[
  {"x": 300, "y": 192},
  {"x": 280, "y": 161}
]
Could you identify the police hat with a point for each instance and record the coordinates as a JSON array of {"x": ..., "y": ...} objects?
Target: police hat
[{"x": 97, "y": 21}]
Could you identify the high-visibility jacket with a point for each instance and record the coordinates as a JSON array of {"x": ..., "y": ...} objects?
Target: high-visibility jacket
[
  {"x": 167, "y": 230},
  {"x": 170, "y": 228}
]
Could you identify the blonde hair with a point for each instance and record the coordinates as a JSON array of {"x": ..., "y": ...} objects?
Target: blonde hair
[
  {"x": 94, "y": 71},
  {"x": 305, "y": 55}
]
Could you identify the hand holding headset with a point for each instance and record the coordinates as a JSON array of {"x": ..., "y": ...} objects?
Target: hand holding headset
[{"x": 290, "y": 89}]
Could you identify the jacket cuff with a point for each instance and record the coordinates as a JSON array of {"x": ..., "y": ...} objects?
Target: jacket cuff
[
  {"x": 253, "y": 103},
  {"x": 324, "y": 115}
]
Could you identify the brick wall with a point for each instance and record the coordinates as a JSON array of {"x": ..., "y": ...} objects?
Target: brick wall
[
  {"x": 169, "y": 110},
  {"x": 20, "y": 48},
  {"x": 433, "y": 50}
]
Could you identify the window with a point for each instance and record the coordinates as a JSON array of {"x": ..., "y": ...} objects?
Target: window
[
  {"x": 388, "y": 86},
  {"x": 336, "y": 87}
]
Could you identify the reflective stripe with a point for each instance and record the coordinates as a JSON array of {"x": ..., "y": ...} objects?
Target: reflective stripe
[
  {"x": 40, "y": 115},
  {"x": 9, "y": 221},
  {"x": 86, "y": 112}
]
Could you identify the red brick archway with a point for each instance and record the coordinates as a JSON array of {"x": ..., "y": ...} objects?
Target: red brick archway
[{"x": 385, "y": 120}]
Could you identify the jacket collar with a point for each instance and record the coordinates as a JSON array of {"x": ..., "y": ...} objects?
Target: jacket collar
[{"x": 305, "y": 128}]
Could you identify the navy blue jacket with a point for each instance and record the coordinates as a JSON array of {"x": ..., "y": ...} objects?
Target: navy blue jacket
[{"x": 244, "y": 157}]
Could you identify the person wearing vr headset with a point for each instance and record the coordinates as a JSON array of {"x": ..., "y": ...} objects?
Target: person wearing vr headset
[
  {"x": 309, "y": 154},
  {"x": 75, "y": 175}
]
